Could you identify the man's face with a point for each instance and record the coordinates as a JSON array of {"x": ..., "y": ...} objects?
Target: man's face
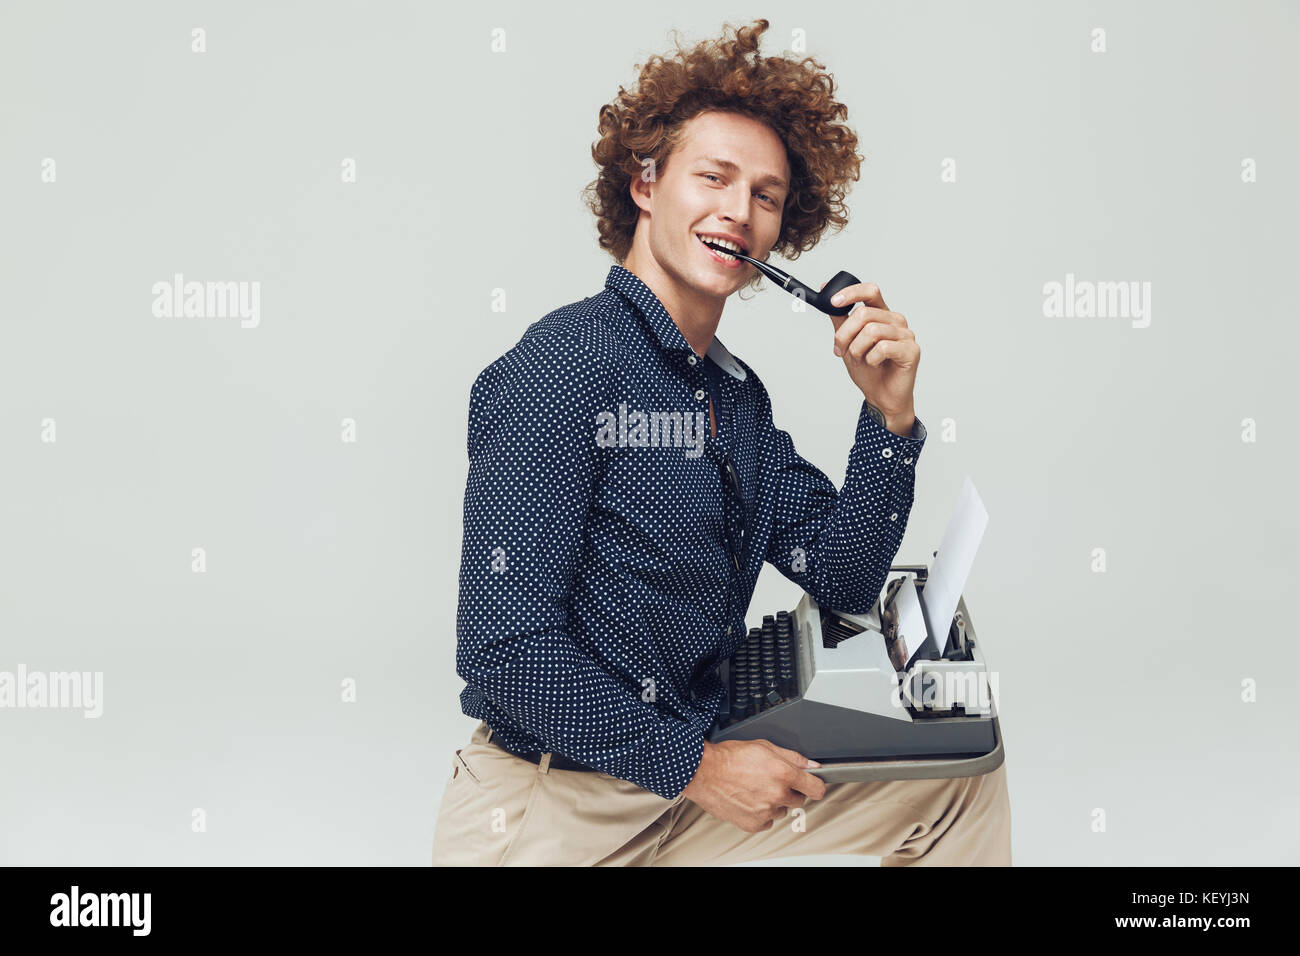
[{"x": 698, "y": 193}]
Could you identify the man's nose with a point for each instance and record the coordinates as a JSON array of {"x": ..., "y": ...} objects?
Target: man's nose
[{"x": 738, "y": 208}]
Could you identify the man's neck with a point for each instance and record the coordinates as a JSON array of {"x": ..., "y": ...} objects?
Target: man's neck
[{"x": 695, "y": 316}]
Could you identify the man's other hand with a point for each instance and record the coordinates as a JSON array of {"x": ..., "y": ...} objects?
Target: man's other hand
[{"x": 752, "y": 783}]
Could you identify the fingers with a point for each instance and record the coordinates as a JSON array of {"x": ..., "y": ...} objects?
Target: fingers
[
  {"x": 881, "y": 352},
  {"x": 762, "y": 813},
  {"x": 813, "y": 787},
  {"x": 793, "y": 800},
  {"x": 902, "y": 352},
  {"x": 867, "y": 292},
  {"x": 798, "y": 778},
  {"x": 792, "y": 757},
  {"x": 863, "y": 316},
  {"x": 870, "y": 335}
]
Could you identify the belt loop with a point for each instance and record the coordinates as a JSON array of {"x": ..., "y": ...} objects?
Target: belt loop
[
  {"x": 489, "y": 734},
  {"x": 544, "y": 765}
]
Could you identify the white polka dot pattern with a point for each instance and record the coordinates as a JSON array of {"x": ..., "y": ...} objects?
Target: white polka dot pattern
[{"x": 602, "y": 580}]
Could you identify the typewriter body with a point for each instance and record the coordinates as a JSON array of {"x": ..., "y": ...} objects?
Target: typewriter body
[{"x": 869, "y": 698}]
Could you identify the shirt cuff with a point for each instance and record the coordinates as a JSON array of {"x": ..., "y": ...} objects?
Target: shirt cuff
[
  {"x": 894, "y": 449},
  {"x": 679, "y": 747}
]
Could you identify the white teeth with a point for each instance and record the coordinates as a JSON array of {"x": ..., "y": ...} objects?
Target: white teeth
[{"x": 725, "y": 243}]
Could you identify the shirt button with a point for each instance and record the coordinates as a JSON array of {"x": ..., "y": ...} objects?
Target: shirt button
[
  {"x": 728, "y": 630},
  {"x": 690, "y": 360},
  {"x": 907, "y": 460},
  {"x": 699, "y": 394},
  {"x": 888, "y": 452},
  {"x": 894, "y": 516}
]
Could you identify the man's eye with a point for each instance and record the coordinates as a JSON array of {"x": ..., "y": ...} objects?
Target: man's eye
[{"x": 761, "y": 195}]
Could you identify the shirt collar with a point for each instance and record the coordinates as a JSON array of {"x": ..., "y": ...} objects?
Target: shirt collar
[{"x": 670, "y": 337}]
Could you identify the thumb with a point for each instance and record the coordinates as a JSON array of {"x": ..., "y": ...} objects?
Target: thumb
[
  {"x": 793, "y": 757},
  {"x": 836, "y": 320}
]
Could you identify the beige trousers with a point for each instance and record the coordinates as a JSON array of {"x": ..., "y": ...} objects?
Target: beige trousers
[{"x": 501, "y": 810}]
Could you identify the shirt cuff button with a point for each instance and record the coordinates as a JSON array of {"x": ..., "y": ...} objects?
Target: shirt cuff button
[
  {"x": 894, "y": 516},
  {"x": 907, "y": 461}
]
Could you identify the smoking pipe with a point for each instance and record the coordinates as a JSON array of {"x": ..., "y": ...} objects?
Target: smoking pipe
[{"x": 820, "y": 300}]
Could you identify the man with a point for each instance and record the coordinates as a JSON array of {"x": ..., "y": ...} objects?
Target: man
[{"x": 615, "y": 529}]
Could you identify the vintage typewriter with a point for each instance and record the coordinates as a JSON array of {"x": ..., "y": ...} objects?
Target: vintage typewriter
[{"x": 878, "y": 696}]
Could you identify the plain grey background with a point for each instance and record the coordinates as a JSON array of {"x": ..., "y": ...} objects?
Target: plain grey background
[{"x": 326, "y": 560}]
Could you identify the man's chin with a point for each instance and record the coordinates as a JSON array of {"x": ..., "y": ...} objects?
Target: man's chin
[
  {"x": 713, "y": 288},
  {"x": 719, "y": 283},
  {"x": 706, "y": 281}
]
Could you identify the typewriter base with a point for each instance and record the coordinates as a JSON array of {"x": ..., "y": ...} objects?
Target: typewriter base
[
  {"x": 886, "y": 765},
  {"x": 923, "y": 768}
]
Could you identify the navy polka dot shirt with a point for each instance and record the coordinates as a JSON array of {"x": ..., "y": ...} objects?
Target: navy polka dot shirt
[{"x": 608, "y": 560}]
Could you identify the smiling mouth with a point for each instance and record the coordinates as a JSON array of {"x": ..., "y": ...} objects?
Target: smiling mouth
[{"x": 720, "y": 251}]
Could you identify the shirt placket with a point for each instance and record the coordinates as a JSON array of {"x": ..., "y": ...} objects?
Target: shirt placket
[{"x": 719, "y": 449}]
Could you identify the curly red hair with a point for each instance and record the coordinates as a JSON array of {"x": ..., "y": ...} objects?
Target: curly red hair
[{"x": 795, "y": 98}]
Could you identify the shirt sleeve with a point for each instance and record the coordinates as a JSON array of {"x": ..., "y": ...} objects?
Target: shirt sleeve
[
  {"x": 533, "y": 472},
  {"x": 838, "y": 546}
]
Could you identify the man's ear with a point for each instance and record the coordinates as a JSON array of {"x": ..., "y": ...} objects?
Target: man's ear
[{"x": 640, "y": 191}]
